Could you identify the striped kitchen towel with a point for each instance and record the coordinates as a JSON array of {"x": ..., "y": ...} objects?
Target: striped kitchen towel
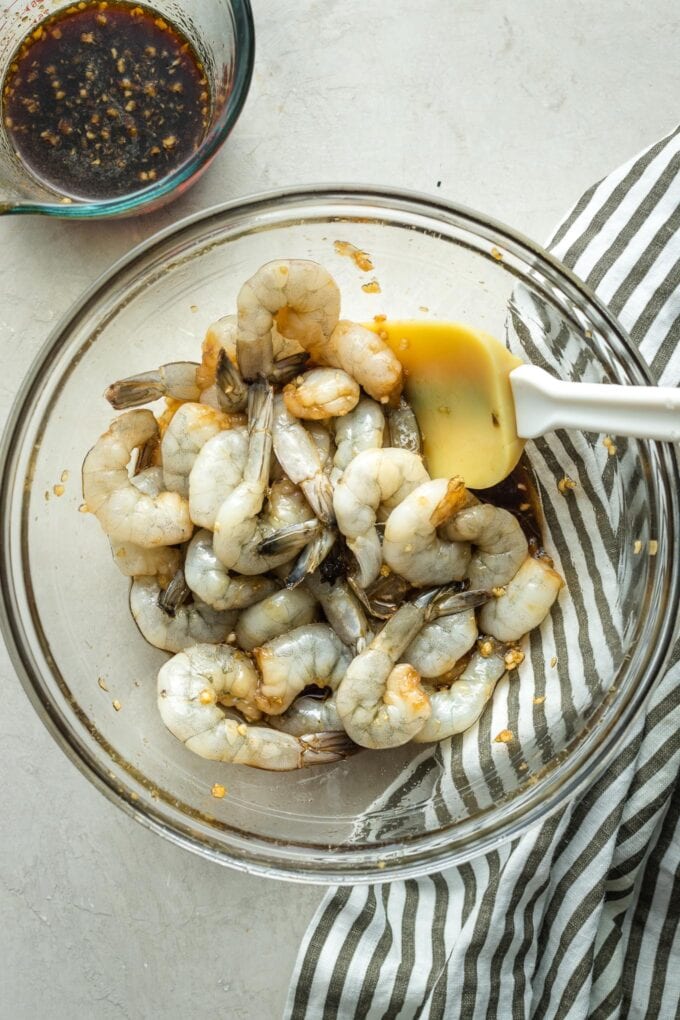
[{"x": 579, "y": 917}]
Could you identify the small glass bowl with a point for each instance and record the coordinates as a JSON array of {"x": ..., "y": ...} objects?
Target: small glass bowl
[
  {"x": 223, "y": 35},
  {"x": 377, "y": 815}
]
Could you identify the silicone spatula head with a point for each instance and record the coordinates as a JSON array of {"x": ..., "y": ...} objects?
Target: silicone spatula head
[{"x": 457, "y": 384}]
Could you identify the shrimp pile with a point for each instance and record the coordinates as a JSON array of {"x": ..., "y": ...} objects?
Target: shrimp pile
[{"x": 317, "y": 590}]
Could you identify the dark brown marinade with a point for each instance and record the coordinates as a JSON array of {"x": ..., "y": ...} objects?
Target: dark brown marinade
[{"x": 103, "y": 99}]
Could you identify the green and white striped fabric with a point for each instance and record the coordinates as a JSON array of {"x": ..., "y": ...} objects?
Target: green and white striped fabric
[{"x": 579, "y": 917}]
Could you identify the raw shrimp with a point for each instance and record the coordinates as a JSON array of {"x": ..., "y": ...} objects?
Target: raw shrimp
[
  {"x": 176, "y": 379},
  {"x": 526, "y": 602},
  {"x": 262, "y": 747},
  {"x": 278, "y": 613},
  {"x": 321, "y": 393},
  {"x": 300, "y": 296},
  {"x": 343, "y": 611},
  {"x": 197, "y": 684},
  {"x": 213, "y": 584},
  {"x": 411, "y": 545},
  {"x": 217, "y": 736},
  {"x": 308, "y": 714},
  {"x": 402, "y": 427},
  {"x": 366, "y": 357},
  {"x": 189, "y": 624},
  {"x": 239, "y": 528},
  {"x": 312, "y": 655},
  {"x": 382, "y": 704},
  {"x": 195, "y": 691},
  {"x": 501, "y": 547},
  {"x": 191, "y": 427},
  {"x": 456, "y": 708},
  {"x": 299, "y": 457},
  {"x": 359, "y": 430},
  {"x": 438, "y": 646},
  {"x": 217, "y": 470},
  {"x": 375, "y": 480},
  {"x": 133, "y": 560},
  {"x": 125, "y": 513}
]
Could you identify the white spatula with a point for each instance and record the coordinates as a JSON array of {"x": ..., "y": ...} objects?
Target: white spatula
[{"x": 476, "y": 403}]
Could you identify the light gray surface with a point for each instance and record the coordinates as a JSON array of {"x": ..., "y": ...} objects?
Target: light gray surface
[{"x": 516, "y": 109}]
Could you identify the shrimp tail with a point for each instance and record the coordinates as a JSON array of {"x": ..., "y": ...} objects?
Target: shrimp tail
[
  {"x": 325, "y": 748},
  {"x": 176, "y": 379},
  {"x": 176, "y": 594},
  {"x": 319, "y": 494},
  {"x": 232, "y": 388},
  {"x": 290, "y": 539},
  {"x": 260, "y": 419},
  {"x": 137, "y": 390},
  {"x": 286, "y": 369},
  {"x": 146, "y": 455},
  {"x": 312, "y": 556},
  {"x": 449, "y": 600}
]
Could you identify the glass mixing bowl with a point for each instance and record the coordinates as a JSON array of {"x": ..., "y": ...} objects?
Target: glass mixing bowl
[{"x": 376, "y": 815}]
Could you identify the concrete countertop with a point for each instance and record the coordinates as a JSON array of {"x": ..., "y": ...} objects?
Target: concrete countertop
[{"x": 513, "y": 109}]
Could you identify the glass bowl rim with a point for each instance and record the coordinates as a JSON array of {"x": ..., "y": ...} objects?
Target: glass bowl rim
[
  {"x": 429, "y": 852},
  {"x": 244, "y": 63}
]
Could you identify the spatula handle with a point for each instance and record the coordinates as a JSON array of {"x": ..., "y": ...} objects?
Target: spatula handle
[{"x": 543, "y": 403}]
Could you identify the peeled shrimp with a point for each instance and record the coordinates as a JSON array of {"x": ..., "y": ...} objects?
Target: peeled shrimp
[
  {"x": 176, "y": 379},
  {"x": 125, "y": 513},
  {"x": 133, "y": 560},
  {"x": 359, "y": 430},
  {"x": 187, "y": 625},
  {"x": 300, "y": 296},
  {"x": 375, "y": 480},
  {"x": 309, "y": 655},
  {"x": 526, "y": 602},
  {"x": 216, "y": 472},
  {"x": 456, "y": 708},
  {"x": 402, "y": 427},
  {"x": 239, "y": 527},
  {"x": 195, "y": 692},
  {"x": 343, "y": 611},
  {"x": 440, "y": 644},
  {"x": 212, "y": 583},
  {"x": 308, "y": 714},
  {"x": 278, "y": 613},
  {"x": 198, "y": 683},
  {"x": 411, "y": 545},
  {"x": 299, "y": 457},
  {"x": 501, "y": 547},
  {"x": 382, "y": 704},
  {"x": 321, "y": 393},
  {"x": 191, "y": 427},
  {"x": 363, "y": 355}
]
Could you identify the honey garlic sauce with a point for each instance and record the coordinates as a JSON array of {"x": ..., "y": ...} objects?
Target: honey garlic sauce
[{"x": 102, "y": 99}]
